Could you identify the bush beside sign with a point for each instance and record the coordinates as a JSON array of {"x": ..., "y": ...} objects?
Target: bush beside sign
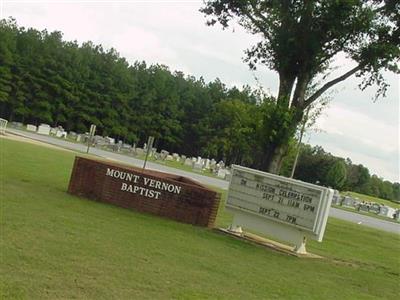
[{"x": 166, "y": 195}]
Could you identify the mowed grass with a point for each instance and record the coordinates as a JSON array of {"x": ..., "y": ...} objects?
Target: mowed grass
[{"x": 57, "y": 246}]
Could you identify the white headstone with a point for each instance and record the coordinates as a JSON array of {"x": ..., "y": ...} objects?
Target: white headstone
[
  {"x": 44, "y": 129},
  {"x": 3, "y": 126},
  {"x": 188, "y": 162},
  {"x": 207, "y": 164},
  {"x": 53, "y": 130},
  {"x": 387, "y": 211},
  {"x": 31, "y": 127},
  {"x": 197, "y": 166},
  {"x": 221, "y": 173}
]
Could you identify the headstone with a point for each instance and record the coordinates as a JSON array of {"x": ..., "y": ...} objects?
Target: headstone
[
  {"x": 221, "y": 173},
  {"x": 126, "y": 147},
  {"x": 169, "y": 158},
  {"x": 175, "y": 156},
  {"x": 163, "y": 154},
  {"x": 348, "y": 201},
  {"x": 397, "y": 216},
  {"x": 3, "y": 126},
  {"x": 153, "y": 152},
  {"x": 197, "y": 166},
  {"x": 61, "y": 134},
  {"x": 110, "y": 140},
  {"x": 72, "y": 135},
  {"x": 85, "y": 137},
  {"x": 387, "y": 211},
  {"x": 207, "y": 164},
  {"x": 336, "y": 198},
  {"x": 183, "y": 159},
  {"x": 188, "y": 162},
  {"x": 364, "y": 207},
  {"x": 375, "y": 208},
  {"x": 213, "y": 163},
  {"x": 139, "y": 151},
  {"x": 53, "y": 130},
  {"x": 31, "y": 127},
  {"x": 44, "y": 129},
  {"x": 78, "y": 137},
  {"x": 16, "y": 124}
]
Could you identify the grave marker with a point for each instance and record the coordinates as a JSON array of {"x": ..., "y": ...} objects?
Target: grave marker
[{"x": 3, "y": 126}]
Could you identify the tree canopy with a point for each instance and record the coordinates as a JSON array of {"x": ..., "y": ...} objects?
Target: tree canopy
[
  {"x": 300, "y": 40},
  {"x": 44, "y": 79}
]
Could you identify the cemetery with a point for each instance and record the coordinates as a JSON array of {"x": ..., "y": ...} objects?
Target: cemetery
[
  {"x": 358, "y": 205},
  {"x": 82, "y": 219},
  {"x": 65, "y": 241},
  {"x": 204, "y": 166}
]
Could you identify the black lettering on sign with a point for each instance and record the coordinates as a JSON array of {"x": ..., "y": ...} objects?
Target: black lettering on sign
[
  {"x": 293, "y": 203},
  {"x": 268, "y": 197},
  {"x": 309, "y": 208},
  {"x": 265, "y": 211},
  {"x": 291, "y": 219}
]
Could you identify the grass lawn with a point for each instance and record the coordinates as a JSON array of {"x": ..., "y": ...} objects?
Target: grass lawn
[
  {"x": 57, "y": 246},
  {"x": 372, "y": 199}
]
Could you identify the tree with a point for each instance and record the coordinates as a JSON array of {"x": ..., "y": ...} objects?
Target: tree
[
  {"x": 300, "y": 39},
  {"x": 336, "y": 176}
]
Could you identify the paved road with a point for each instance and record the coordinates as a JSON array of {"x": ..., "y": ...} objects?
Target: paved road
[
  {"x": 120, "y": 157},
  {"x": 336, "y": 213},
  {"x": 364, "y": 220}
]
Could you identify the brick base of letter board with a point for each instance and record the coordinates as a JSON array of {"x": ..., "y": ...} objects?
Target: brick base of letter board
[{"x": 170, "y": 196}]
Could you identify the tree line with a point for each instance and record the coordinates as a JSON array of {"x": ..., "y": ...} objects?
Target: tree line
[
  {"x": 44, "y": 79},
  {"x": 315, "y": 165}
]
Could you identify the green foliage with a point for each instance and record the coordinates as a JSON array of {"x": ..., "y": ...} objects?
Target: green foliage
[
  {"x": 46, "y": 79},
  {"x": 300, "y": 40},
  {"x": 337, "y": 174},
  {"x": 317, "y": 166}
]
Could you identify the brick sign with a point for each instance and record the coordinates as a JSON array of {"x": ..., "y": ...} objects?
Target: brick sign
[{"x": 166, "y": 195}]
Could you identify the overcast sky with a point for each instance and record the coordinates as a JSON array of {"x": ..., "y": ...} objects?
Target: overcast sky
[{"x": 174, "y": 33}]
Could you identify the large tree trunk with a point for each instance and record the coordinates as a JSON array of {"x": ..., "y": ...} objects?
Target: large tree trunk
[
  {"x": 275, "y": 162},
  {"x": 275, "y": 151},
  {"x": 272, "y": 158}
]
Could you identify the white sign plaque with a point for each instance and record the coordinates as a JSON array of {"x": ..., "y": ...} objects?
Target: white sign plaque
[{"x": 294, "y": 207}]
